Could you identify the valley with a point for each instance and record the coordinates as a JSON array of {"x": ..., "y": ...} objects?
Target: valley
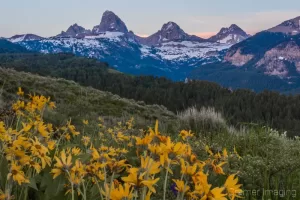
[
  {"x": 173, "y": 53},
  {"x": 105, "y": 113}
]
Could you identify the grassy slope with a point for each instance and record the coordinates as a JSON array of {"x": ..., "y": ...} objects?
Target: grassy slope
[{"x": 76, "y": 101}]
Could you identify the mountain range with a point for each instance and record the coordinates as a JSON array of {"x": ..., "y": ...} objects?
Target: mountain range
[{"x": 231, "y": 57}]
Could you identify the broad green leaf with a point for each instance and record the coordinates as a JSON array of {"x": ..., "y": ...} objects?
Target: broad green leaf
[{"x": 32, "y": 184}]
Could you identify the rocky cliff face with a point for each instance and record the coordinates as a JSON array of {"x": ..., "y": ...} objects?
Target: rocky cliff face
[
  {"x": 276, "y": 60},
  {"x": 273, "y": 54},
  {"x": 237, "y": 58},
  {"x": 291, "y": 27},
  {"x": 110, "y": 22}
]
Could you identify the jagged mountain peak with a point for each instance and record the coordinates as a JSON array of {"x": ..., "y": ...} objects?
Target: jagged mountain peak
[
  {"x": 110, "y": 22},
  {"x": 170, "y": 31},
  {"x": 108, "y": 12},
  {"x": 169, "y": 26},
  {"x": 76, "y": 28},
  {"x": 291, "y": 27},
  {"x": 230, "y": 35},
  {"x": 75, "y": 31},
  {"x": 232, "y": 29}
]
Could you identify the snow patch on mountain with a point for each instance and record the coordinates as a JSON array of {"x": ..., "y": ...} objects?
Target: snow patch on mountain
[
  {"x": 71, "y": 45},
  {"x": 24, "y": 37},
  {"x": 17, "y": 39},
  {"x": 113, "y": 36},
  {"x": 185, "y": 50},
  {"x": 230, "y": 35},
  {"x": 231, "y": 38}
]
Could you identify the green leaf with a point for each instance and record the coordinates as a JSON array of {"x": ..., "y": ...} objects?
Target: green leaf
[
  {"x": 69, "y": 146},
  {"x": 3, "y": 172},
  {"x": 55, "y": 186},
  {"x": 46, "y": 180},
  {"x": 32, "y": 184},
  {"x": 84, "y": 157}
]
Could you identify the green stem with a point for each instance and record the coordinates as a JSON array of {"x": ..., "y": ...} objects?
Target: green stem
[
  {"x": 8, "y": 187},
  {"x": 178, "y": 195},
  {"x": 72, "y": 190},
  {"x": 182, "y": 195},
  {"x": 25, "y": 193},
  {"x": 111, "y": 184},
  {"x": 105, "y": 180},
  {"x": 144, "y": 193},
  {"x": 149, "y": 164},
  {"x": 84, "y": 190},
  {"x": 72, "y": 184},
  {"x": 82, "y": 194},
  {"x": 57, "y": 144},
  {"x": 136, "y": 195},
  {"x": 166, "y": 180},
  {"x": 99, "y": 190}
]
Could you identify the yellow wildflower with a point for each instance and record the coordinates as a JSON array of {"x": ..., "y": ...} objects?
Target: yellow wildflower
[
  {"x": 225, "y": 154},
  {"x": 186, "y": 134},
  {"x": 52, "y": 105},
  {"x": 217, "y": 194},
  {"x": 43, "y": 129},
  {"x": 17, "y": 174},
  {"x": 51, "y": 144},
  {"x": 233, "y": 189},
  {"x": 149, "y": 183},
  {"x": 76, "y": 151},
  {"x": 120, "y": 192},
  {"x": 181, "y": 187},
  {"x": 36, "y": 166},
  {"x": 3, "y": 196},
  {"x": 187, "y": 169},
  {"x": 207, "y": 149},
  {"x": 85, "y": 140},
  {"x": 20, "y": 92},
  {"x": 68, "y": 137},
  {"x": 63, "y": 163},
  {"x": 218, "y": 168}
]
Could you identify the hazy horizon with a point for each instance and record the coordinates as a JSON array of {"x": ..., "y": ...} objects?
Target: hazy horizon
[{"x": 143, "y": 17}]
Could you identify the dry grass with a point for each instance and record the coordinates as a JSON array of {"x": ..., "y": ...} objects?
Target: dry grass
[{"x": 203, "y": 119}]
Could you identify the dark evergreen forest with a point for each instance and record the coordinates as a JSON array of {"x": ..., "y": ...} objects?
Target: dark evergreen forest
[{"x": 239, "y": 106}]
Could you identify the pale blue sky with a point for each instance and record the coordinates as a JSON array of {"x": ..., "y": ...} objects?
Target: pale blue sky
[{"x": 201, "y": 17}]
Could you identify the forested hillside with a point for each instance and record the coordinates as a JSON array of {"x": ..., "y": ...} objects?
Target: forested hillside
[{"x": 238, "y": 106}]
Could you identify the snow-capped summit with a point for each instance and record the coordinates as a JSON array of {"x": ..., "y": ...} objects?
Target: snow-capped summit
[
  {"x": 111, "y": 26},
  {"x": 75, "y": 31},
  {"x": 169, "y": 32},
  {"x": 291, "y": 27},
  {"x": 230, "y": 35},
  {"x": 110, "y": 22},
  {"x": 24, "y": 37}
]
